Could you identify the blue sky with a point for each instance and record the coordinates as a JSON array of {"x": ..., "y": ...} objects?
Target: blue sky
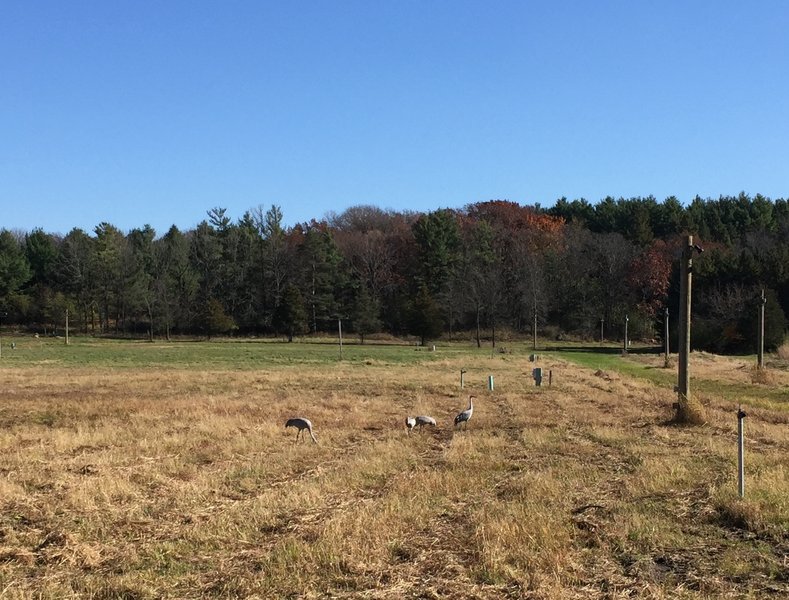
[{"x": 135, "y": 111}]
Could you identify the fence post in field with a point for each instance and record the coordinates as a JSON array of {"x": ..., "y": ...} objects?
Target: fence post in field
[
  {"x": 741, "y": 451},
  {"x": 666, "y": 343}
]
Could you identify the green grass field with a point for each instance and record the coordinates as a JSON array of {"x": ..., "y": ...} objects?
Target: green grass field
[
  {"x": 219, "y": 354},
  {"x": 702, "y": 382}
]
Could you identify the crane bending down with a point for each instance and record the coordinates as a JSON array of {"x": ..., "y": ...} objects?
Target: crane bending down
[
  {"x": 420, "y": 421},
  {"x": 425, "y": 420},
  {"x": 301, "y": 424},
  {"x": 465, "y": 416}
]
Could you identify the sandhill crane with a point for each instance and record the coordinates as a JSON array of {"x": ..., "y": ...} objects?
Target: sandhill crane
[
  {"x": 466, "y": 414},
  {"x": 425, "y": 420},
  {"x": 301, "y": 424},
  {"x": 420, "y": 421}
]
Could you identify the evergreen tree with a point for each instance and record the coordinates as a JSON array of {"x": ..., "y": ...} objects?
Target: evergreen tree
[
  {"x": 176, "y": 286},
  {"x": 14, "y": 273},
  {"x": 438, "y": 238},
  {"x": 291, "y": 316},
  {"x": 41, "y": 253},
  {"x": 425, "y": 321},
  {"x": 365, "y": 313},
  {"x": 215, "y": 320},
  {"x": 76, "y": 274},
  {"x": 14, "y": 267}
]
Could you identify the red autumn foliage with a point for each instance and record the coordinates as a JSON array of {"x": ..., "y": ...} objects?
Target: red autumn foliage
[
  {"x": 650, "y": 274},
  {"x": 511, "y": 218}
]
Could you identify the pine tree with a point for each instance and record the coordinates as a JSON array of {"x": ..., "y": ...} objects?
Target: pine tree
[{"x": 291, "y": 316}]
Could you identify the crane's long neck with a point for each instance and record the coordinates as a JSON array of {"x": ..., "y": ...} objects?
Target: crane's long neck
[{"x": 470, "y": 403}]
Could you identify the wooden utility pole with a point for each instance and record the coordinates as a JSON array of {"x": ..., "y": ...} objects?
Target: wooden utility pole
[
  {"x": 534, "y": 329},
  {"x": 688, "y": 411},
  {"x": 666, "y": 343},
  {"x": 760, "y": 351},
  {"x": 66, "y": 327}
]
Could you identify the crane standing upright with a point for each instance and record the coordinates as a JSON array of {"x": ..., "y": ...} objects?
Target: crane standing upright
[{"x": 464, "y": 417}]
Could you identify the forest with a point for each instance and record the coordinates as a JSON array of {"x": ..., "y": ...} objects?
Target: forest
[{"x": 491, "y": 269}]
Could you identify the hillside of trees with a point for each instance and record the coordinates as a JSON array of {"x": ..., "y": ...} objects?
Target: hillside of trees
[{"x": 480, "y": 270}]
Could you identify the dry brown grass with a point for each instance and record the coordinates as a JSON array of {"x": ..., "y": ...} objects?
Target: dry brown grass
[
  {"x": 184, "y": 484},
  {"x": 764, "y": 376}
]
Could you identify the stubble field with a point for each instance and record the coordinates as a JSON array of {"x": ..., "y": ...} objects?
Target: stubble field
[{"x": 134, "y": 470}]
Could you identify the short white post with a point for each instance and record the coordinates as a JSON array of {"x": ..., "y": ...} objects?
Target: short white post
[
  {"x": 490, "y": 382},
  {"x": 462, "y": 372}
]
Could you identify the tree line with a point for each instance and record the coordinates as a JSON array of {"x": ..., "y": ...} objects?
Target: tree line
[{"x": 576, "y": 268}]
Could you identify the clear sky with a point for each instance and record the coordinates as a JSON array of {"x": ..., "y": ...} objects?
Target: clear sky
[{"x": 143, "y": 111}]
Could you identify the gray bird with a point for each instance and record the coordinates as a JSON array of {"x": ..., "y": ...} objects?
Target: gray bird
[
  {"x": 301, "y": 424},
  {"x": 463, "y": 418},
  {"x": 420, "y": 421},
  {"x": 425, "y": 420}
]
